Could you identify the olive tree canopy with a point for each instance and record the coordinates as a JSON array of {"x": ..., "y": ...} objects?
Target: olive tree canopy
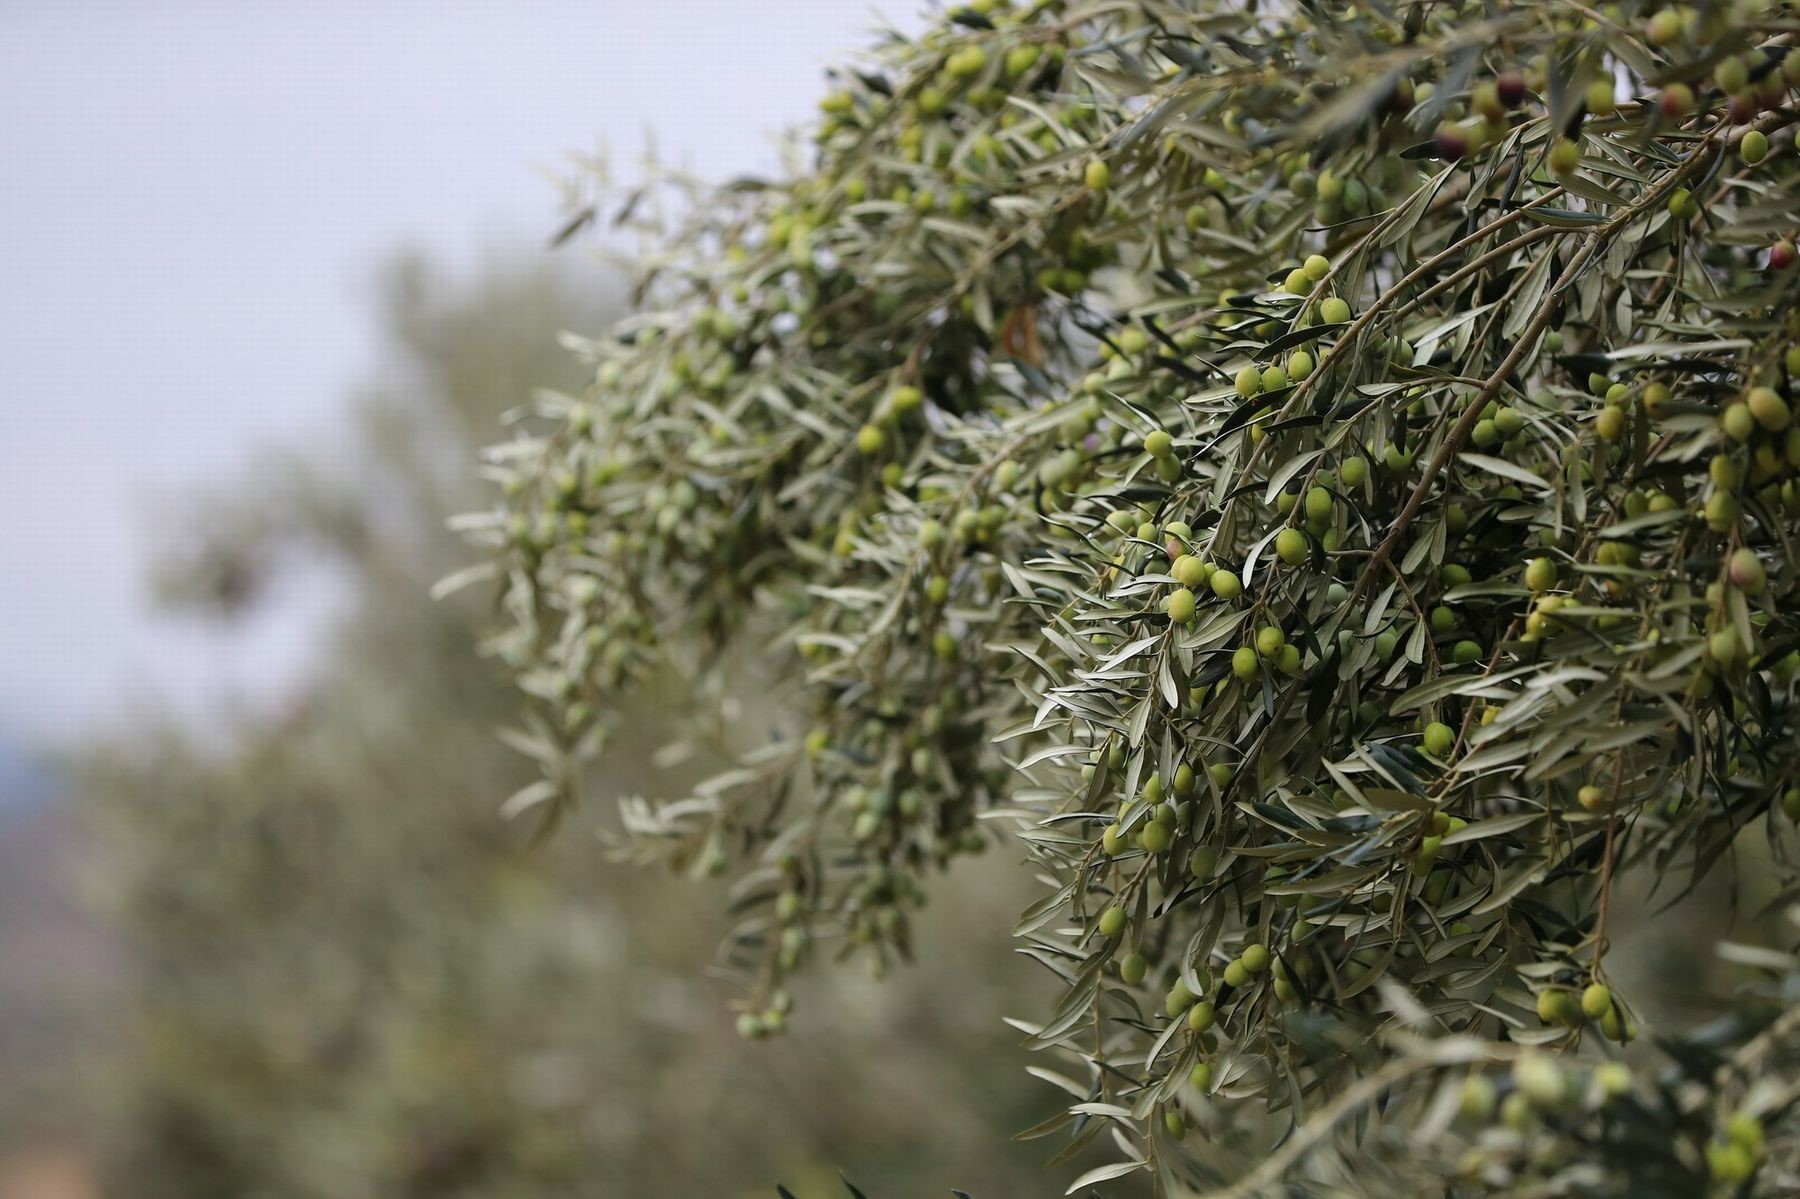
[{"x": 1315, "y": 479}]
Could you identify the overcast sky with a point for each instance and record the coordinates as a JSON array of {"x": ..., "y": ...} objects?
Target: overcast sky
[{"x": 194, "y": 199}]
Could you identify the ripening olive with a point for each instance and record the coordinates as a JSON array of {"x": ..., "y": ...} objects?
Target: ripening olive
[{"x": 1747, "y": 573}]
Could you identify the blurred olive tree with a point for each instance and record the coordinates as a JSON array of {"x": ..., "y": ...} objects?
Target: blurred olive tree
[{"x": 348, "y": 977}]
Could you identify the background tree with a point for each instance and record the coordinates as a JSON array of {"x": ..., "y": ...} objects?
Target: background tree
[
  {"x": 1323, "y": 477},
  {"x": 343, "y": 975}
]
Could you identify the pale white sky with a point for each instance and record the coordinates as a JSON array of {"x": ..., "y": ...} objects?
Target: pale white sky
[{"x": 193, "y": 198}]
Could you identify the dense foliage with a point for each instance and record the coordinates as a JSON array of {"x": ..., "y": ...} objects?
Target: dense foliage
[{"x": 1322, "y": 475}]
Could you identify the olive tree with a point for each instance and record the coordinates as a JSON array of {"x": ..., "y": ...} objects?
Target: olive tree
[{"x": 1317, "y": 480}]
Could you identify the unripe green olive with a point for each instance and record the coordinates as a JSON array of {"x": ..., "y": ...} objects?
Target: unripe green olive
[
  {"x": 1565, "y": 156},
  {"x": 1319, "y": 503},
  {"x": 1721, "y": 511},
  {"x": 1133, "y": 968},
  {"x": 1111, "y": 922},
  {"x": 1596, "y": 1001},
  {"x": 1477, "y": 1097},
  {"x": 1201, "y": 862},
  {"x": 1769, "y": 409},
  {"x": 1556, "y": 1006},
  {"x": 1540, "y": 1080},
  {"x": 1190, "y": 571},
  {"x": 1730, "y": 1163},
  {"x": 1612, "y": 1080}
]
